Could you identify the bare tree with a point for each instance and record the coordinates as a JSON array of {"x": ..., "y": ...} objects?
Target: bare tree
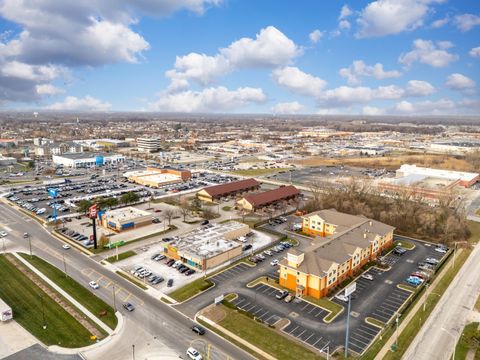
[
  {"x": 208, "y": 213},
  {"x": 184, "y": 208},
  {"x": 168, "y": 215}
]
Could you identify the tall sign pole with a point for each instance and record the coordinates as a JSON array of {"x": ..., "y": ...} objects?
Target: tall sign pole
[
  {"x": 349, "y": 290},
  {"x": 54, "y": 193},
  {"x": 92, "y": 214}
]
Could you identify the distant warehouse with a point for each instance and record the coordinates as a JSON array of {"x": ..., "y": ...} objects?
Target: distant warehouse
[
  {"x": 268, "y": 198},
  {"x": 465, "y": 179},
  {"x": 86, "y": 160},
  {"x": 154, "y": 177},
  {"x": 234, "y": 188}
]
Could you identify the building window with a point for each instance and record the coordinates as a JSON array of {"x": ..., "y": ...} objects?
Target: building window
[{"x": 298, "y": 272}]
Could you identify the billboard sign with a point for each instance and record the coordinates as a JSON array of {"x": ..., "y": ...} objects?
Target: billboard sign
[
  {"x": 350, "y": 289},
  {"x": 53, "y": 192},
  {"x": 92, "y": 211}
]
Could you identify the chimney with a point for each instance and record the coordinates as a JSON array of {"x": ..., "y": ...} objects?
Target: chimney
[
  {"x": 364, "y": 235},
  {"x": 370, "y": 222}
]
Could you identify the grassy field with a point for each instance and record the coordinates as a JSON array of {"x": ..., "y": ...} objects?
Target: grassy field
[
  {"x": 189, "y": 290},
  {"x": 26, "y": 300},
  {"x": 411, "y": 330},
  {"x": 468, "y": 340},
  {"x": 257, "y": 172},
  {"x": 94, "y": 304},
  {"x": 393, "y": 162},
  {"x": 475, "y": 230},
  {"x": 264, "y": 338},
  {"x": 121, "y": 256}
]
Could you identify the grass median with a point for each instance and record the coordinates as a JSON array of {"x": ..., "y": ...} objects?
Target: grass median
[
  {"x": 263, "y": 337},
  {"x": 121, "y": 256},
  {"x": 469, "y": 340},
  {"x": 192, "y": 289},
  {"x": 405, "y": 244},
  {"x": 94, "y": 304},
  {"x": 31, "y": 306}
]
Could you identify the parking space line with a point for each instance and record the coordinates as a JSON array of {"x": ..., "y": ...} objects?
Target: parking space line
[
  {"x": 367, "y": 330},
  {"x": 309, "y": 337},
  {"x": 363, "y": 336},
  {"x": 319, "y": 313},
  {"x": 307, "y": 304},
  {"x": 127, "y": 297},
  {"x": 383, "y": 317},
  {"x": 296, "y": 327},
  {"x": 359, "y": 340},
  {"x": 313, "y": 308},
  {"x": 317, "y": 341},
  {"x": 265, "y": 313},
  {"x": 260, "y": 309},
  {"x": 394, "y": 307}
]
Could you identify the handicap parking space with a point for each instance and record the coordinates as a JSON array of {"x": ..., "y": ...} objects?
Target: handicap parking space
[{"x": 230, "y": 273}]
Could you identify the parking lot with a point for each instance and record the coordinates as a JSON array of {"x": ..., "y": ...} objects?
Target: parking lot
[
  {"x": 379, "y": 298},
  {"x": 230, "y": 273}
]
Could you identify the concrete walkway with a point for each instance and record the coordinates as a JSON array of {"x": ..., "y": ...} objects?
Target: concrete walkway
[{"x": 65, "y": 295}]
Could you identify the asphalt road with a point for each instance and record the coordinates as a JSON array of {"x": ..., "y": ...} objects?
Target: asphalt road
[
  {"x": 439, "y": 335},
  {"x": 157, "y": 318}
]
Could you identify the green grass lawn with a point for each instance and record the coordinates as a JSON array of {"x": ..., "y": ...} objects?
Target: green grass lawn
[
  {"x": 25, "y": 299},
  {"x": 468, "y": 340},
  {"x": 375, "y": 322},
  {"x": 121, "y": 256},
  {"x": 226, "y": 208},
  {"x": 264, "y": 338},
  {"x": 475, "y": 230},
  {"x": 189, "y": 290},
  {"x": 477, "y": 304},
  {"x": 94, "y": 304}
]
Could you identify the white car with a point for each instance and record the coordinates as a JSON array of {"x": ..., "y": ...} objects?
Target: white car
[
  {"x": 274, "y": 262},
  {"x": 242, "y": 239},
  {"x": 194, "y": 354},
  {"x": 93, "y": 285},
  {"x": 367, "y": 276},
  {"x": 66, "y": 246},
  {"x": 440, "y": 250},
  {"x": 268, "y": 252},
  {"x": 3, "y": 233}
]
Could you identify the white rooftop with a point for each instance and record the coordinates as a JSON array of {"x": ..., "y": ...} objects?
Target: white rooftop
[{"x": 407, "y": 169}]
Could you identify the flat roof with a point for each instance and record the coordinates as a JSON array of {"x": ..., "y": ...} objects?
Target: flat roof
[
  {"x": 125, "y": 214},
  {"x": 85, "y": 155}
]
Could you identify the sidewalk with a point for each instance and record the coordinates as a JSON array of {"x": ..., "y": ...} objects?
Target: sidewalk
[
  {"x": 386, "y": 348},
  {"x": 65, "y": 295}
]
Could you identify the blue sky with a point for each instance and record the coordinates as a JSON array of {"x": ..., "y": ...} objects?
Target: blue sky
[{"x": 404, "y": 57}]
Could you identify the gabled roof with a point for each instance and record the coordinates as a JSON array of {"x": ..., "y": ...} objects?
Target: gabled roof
[
  {"x": 231, "y": 187},
  {"x": 272, "y": 195}
]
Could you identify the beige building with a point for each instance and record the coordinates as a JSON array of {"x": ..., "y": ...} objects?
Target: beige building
[
  {"x": 125, "y": 218},
  {"x": 155, "y": 178},
  {"x": 209, "y": 246}
]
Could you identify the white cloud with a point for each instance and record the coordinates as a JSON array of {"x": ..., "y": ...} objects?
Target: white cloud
[
  {"x": 298, "y": 81},
  {"x": 475, "y": 52},
  {"x": 460, "y": 82},
  {"x": 58, "y": 34},
  {"x": 48, "y": 89},
  {"x": 270, "y": 48},
  {"x": 214, "y": 99},
  {"x": 72, "y": 103},
  {"x": 439, "y": 107},
  {"x": 372, "y": 110},
  {"x": 344, "y": 25},
  {"x": 466, "y": 22},
  {"x": 419, "y": 88},
  {"x": 346, "y": 95},
  {"x": 388, "y": 92},
  {"x": 359, "y": 69},
  {"x": 345, "y": 12},
  {"x": 387, "y": 17},
  {"x": 316, "y": 35},
  {"x": 293, "y": 107},
  {"x": 428, "y": 52},
  {"x": 440, "y": 22}
]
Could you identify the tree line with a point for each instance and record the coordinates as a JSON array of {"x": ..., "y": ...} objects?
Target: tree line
[
  {"x": 444, "y": 222},
  {"x": 107, "y": 203}
]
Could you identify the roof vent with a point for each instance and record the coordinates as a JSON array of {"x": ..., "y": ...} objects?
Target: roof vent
[{"x": 365, "y": 235}]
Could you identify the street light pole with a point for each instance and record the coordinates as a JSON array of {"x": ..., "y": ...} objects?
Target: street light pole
[
  {"x": 454, "y": 341},
  {"x": 396, "y": 331},
  {"x": 30, "y": 245},
  {"x": 114, "y": 303},
  {"x": 64, "y": 265},
  {"x": 133, "y": 351},
  {"x": 348, "y": 326}
]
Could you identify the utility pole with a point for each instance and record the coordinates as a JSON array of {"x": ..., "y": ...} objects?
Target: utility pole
[
  {"x": 114, "y": 303},
  {"x": 64, "y": 265},
  {"x": 133, "y": 351}
]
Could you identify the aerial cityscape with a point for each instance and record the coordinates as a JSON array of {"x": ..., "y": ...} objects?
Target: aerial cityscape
[{"x": 237, "y": 179}]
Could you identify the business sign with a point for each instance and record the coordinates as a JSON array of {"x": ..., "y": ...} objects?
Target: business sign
[
  {"x": 218, "y": 299},
  {"x": 53, "y": 192},
  {"x": 92, "y": 211},
  {"x": 350, "y": 289},
  {"x": 115, "y": 244}
]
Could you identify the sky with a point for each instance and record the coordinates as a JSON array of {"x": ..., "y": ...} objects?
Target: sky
[{"x": 399, "y": 57}]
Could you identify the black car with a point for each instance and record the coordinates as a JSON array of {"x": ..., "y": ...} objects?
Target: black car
[
  {"x": 247, "y": 247},
  {"x": 170, "y": 262},
  {"x": 198, "y": 329},
  {"x": 170, "y": 282},
  {"x": 190, "y": 272},
  {"x": 184, "y": 269},
  {"x": 128, "y": 306},
  {"x": 399, "y": 251},
  {"x": 204, "y": 222}
]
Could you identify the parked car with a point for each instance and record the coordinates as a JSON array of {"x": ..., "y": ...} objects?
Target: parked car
[
  {"x": 274, "y": 262},
  {"x": 3, "y": 233},
  {"x": 367, "y": 276},
  {"x": 66, "y": 246},
  {"x": 282, "y": 294},
  {"x": 128, "y": 306},
  {"x": 341, "y": 297},
  {"x": 247, "y": 247},
  {"x": 432, "y": 261},
  {"x": 414, "y": 280},
  {"x": 170, "y": 283},
  {"x": 399, "y": 251},
  {"x": 198, "y": 329},
  {"x": 268, "y": 252},
  {"x": 441, "y": 250},
  {"x": 289, "y": 298},
  {"x": 205, "y": 222},
  {"x": 93, "y": 285}
]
